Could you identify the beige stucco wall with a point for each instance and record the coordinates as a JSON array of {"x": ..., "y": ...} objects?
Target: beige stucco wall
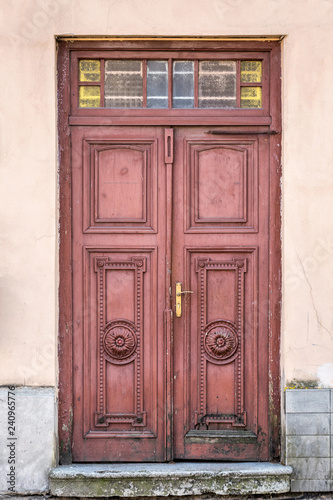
[{"x": 28, "y": 195}]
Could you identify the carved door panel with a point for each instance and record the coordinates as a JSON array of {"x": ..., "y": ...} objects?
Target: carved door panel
[
  {"x": 118, "y": 177},
  {"x": 220, "y": 254}
]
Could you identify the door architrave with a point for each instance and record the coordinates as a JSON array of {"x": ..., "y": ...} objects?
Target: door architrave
[{"x": 270, "y": 124}]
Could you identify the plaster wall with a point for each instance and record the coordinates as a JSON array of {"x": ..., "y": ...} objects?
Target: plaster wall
[{"x": 28, "y": 194}]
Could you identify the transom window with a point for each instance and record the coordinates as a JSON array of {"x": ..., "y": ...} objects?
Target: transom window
[{"x": 170, "y": 84}]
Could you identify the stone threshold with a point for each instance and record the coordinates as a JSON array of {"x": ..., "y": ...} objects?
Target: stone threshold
[{"x": 171, "y": 479}]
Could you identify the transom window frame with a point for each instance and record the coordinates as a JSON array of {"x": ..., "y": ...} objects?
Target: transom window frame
[
  {"x": 182, "y": 51},
  {"x": 169, "y": 95}
]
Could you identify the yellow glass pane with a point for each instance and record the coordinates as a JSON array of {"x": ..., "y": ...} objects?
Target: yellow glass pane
[
  {"x": 89, "y": 97},
  {"x": 251, "y": 71},
  {"x": 251, "y": 97},
  {"x": 90, "y": 70}
]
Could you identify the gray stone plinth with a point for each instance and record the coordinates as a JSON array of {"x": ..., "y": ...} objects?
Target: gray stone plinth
[
  {"x": 151, "y": 480},
  {"x": 32, "y": 442},
  {"x": 309, "y": 439}
]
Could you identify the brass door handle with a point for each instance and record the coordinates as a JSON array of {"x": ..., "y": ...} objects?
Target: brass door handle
[{"x": 179, "y": 293}]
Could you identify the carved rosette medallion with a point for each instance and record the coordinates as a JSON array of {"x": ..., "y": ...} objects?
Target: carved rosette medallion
[
  {"x": 220, "y": 340},
  {"x": 120, "y": 341}
]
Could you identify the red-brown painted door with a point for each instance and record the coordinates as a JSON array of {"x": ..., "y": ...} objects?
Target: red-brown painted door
[
  {"x": 142, "y": 393},
  {"x": 119, "y": 289},
  {"x": 220, "y": 253}
]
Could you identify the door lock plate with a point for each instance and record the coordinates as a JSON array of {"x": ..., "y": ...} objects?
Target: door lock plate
[{"x": 179, "y": 293}]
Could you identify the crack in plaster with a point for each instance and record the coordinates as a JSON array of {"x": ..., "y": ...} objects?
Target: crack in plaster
[{"x": 312, "y": 299}]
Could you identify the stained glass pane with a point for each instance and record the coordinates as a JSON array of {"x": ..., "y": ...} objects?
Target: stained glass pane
[
  {"x": 217, "y": 84},
  {"x": 90, "y": 70},
  {"x": 251, "y": 97},
  {"x": 183, "y": 84},
  {"x": 89, "y": 96},
  {"x": 157, "y": 84},
  {"x": 123, "y": 84},
  {"x": 251, "y": 71}
]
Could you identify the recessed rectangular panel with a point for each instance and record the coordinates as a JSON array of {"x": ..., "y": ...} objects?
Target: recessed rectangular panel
[
  {"x": 220, "y": 189},
  {"x": 120, "y": 296},
  {"x": 119, "y": 186},
  {"x": 221, "y": 185},
  {"x": 121, "y": 190},
  {"x": 221, "y": 295},
  {"x": 119, "y": 345},
  {"x": 223, "y": 343},
  {"x": 222, "y": 336},
  {"x": 120, "y": 393},
  {"x": 220, "y": 396}
]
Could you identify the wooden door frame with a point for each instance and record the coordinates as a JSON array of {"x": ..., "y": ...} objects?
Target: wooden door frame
[{"x": 270, "y": 124}]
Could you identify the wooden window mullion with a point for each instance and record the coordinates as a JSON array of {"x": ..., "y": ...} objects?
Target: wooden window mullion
[
  {"x": 170, "y": 83},
  {"x": 196, "y": 83},
  {"x": 144, "y": 83},
  {"x": 102, "y": 82},
  {"x": 238, "y": 85}
]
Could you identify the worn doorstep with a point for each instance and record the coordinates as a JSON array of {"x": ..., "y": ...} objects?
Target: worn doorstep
[{"x": 178, "y": 479}]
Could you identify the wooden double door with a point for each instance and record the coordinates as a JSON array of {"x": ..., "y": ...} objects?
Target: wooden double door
[{"x": 160, "y": 374}]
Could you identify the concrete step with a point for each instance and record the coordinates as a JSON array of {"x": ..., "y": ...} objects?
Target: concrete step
[{"x": 172, "y": 479}]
